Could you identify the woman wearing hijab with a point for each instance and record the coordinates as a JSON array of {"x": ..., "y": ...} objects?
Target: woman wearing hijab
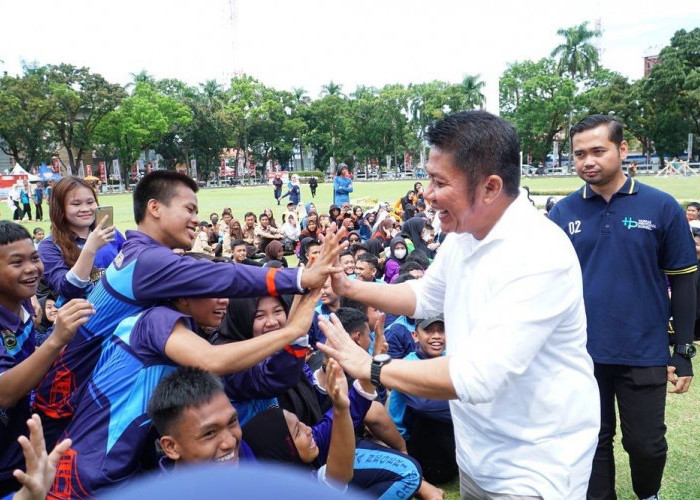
[
  {"x": 274, "y": 251},
  {"x": 365, "y": 225},
  {"x": 385, "y": 231},
  {"x": 413, "y": 229},
  {"x": 397, "y": 256}
]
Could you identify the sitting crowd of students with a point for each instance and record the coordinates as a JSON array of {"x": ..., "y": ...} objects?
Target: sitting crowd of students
[{"x": 145, "y": 366}]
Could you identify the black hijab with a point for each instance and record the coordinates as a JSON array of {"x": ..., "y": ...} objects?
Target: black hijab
[{"x": 412, "y": 230}]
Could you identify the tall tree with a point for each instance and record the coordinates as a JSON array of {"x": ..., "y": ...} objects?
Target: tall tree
[
  {"x": 139, "y": 123},
  {"x": 81, "y": 99},
  {"x": 25, "y": 112},
  {"x": 537, "y": 100},
  {"x": 577, "y": 56}
]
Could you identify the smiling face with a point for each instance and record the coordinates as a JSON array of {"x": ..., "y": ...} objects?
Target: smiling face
[
  {"x": 269, "y": 316},
  {"x": 365, "y": 271},
  {"x": 691, "y": 213},
  {"x": 240, "y": 253},
  {"x": 50, "y": 310},
  {"x": 348, "y": 263},
  {"x": 302, "y": 437},
  {"x": 178, "y": 219},
  {"x": 431, "y": 340},
  {"x": 206, "y": 433},
  {"x": 205, "y": 311},
  {"x": 20, "y": 271},
  {"x": 447, "y": 193},
  {"x": 80, "y": 209}
]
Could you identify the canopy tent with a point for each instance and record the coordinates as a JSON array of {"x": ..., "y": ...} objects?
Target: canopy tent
[{"x": 19, "y": 171}]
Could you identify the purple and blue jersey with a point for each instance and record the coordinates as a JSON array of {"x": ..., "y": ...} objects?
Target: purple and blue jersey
[
  {"x": 56, "y": 271},
  {"x": 142, "y": 274},
  {"x": 110, "y": 427},
  {"x": 17, "y": 345}
]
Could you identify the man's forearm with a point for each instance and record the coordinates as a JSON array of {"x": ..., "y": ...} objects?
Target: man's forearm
[
  {"x": 394, "y": 299},
  {"x": 428, "y": 378}
]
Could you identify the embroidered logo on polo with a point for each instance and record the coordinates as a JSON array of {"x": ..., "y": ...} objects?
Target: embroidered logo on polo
[
  {"x": 9, "y": 340},
  {"x": 631, "y": 223}
]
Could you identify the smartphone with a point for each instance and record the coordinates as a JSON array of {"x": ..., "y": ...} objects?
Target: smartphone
[{"x": 101, "y": 211}]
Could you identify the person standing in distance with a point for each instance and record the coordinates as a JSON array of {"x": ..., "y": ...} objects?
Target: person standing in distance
[
  {"x": 524, "y": 399},
  {"x": 629, "y": 238},
  {"x": 342, "y": 186}
]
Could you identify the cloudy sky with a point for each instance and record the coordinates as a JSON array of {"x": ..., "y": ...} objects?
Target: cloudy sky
[{"x": 307, "y": 43}]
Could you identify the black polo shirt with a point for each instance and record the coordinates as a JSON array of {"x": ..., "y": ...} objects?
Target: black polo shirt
[{"x": 626, "y": 248}]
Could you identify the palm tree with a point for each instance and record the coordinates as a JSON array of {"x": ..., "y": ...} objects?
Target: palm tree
[
  {"x": 331, "y": 89},
  {"x": 577, "y": 55},
  {"x": 473, "y": 90}
]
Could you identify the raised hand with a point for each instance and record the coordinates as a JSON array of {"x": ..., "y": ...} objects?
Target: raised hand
[
  {"x": 337, "y": 385},
  {"x": 315, "y": 275},
  {"x": 71, "y": 315},
  {"x": 41, "y": 467},
  {"x": 99, "y": 236}
]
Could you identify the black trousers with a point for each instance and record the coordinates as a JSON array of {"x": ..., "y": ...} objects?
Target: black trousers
[
  {"x": 641, "y": 399},
  {"x": 432, "y": 443},
  {"x": 26, "y": 210},
  {"x": 39, "y": 211}
]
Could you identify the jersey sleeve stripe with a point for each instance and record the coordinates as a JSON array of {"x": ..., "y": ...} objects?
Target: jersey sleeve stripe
[{"x": 674, "y": 272}]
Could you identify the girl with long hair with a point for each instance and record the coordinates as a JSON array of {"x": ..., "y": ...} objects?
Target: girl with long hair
[{"x": 79, "y": 248}]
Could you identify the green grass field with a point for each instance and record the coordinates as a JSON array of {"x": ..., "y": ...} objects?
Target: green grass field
[{"x": 682, "y": 476}]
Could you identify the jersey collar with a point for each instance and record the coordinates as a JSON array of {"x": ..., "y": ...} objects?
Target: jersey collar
[{"x": 629, "y": 187}]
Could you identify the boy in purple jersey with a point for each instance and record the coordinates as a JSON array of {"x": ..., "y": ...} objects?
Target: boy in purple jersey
[
  {"x": 146, "y": 271},
  {"x": 110, "y": 428},
  {"x": 22, "y": 364},
  {"x": 197, "y": 423}
]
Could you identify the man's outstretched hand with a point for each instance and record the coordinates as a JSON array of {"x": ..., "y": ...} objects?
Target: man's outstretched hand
[{"x": 355, "y": 361}]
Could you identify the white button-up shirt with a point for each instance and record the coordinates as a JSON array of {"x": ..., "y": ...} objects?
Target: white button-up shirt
[{"x": 528, "y": 414}]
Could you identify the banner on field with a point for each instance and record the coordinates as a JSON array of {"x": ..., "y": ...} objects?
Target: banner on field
[
  {"x": 115, "y": 170},
  {"x": 103, "y": 171}
]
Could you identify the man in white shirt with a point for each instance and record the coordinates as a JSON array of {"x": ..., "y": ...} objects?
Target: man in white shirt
[{"x": 524, "y": 400}]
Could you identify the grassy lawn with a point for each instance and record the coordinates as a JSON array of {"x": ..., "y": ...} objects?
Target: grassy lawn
[{"x": 682, "y": 477}]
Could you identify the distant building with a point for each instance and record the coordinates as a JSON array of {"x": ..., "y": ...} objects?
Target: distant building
[{"x": 650, "y": 62}]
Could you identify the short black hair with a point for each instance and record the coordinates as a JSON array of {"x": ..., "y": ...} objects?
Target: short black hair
[
  {"x": 353, "y": 304},
  {"x": 237, "y": 243},
  {"x": 36, "y": 230},
  {"x": 482, "y": 144},
  {"x": 355, "y": 248},
  {"x": 691, "y": 204},
  {"x": 312, "y": 243},
  {"x": 370, "y": 259},
  {"x": 345, "y": 253},
  {"x": 410, "y": 266},
  {"x": 408, "y": 212},
  {"x": 11, "y": 232},
  {"x": 593, "y": 121},
  {"x": 420, "y": 204},
  {"x": 420, "y": 257},
  {"x": 263, "y": 215},
  {"x": 352, "y": 319},
  {"x": 402, "y": 278},
  {"x": 185, "y": 387},
  {"x": 248, "y": 214},
  {"x": 159, "y": 185}
]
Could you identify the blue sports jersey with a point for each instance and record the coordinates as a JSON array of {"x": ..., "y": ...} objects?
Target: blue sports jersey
[
  {"x": 17, "y": 345},
  {"x": 143, "y": 273},
  {"x": 110, "y": 427}
]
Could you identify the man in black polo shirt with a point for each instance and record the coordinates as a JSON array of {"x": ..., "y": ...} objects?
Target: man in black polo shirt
[{"x": 630, "y": 238}]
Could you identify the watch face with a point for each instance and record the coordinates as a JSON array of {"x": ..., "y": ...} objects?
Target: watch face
[
  {"x": 381, "y": 358},
  {"x": 691, "y": 350}
]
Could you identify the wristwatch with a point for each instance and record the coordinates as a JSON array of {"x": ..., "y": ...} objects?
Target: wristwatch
[
  {"x": 685, "y": 350},
  {"x": 378, "y": 362}
]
